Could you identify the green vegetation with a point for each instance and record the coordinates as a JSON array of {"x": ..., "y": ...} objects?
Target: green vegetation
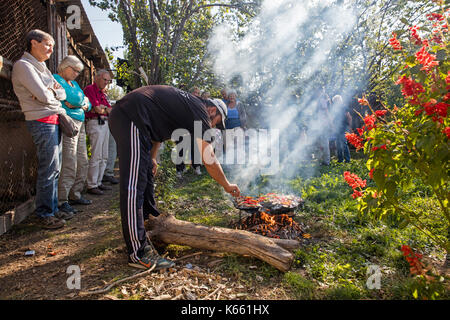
[{"x": 334, "y": 263}]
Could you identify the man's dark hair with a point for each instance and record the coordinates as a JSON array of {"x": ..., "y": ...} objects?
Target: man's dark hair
[{"x": 37, "y": 35}]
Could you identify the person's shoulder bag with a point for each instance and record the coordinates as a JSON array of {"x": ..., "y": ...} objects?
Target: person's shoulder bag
[{"x": 67, "y": 125}]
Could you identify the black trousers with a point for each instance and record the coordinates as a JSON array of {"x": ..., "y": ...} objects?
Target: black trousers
[{"x": 136, "y": 182}]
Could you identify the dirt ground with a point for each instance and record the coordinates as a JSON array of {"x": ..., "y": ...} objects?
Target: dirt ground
[{"x": 92, "y": 241}]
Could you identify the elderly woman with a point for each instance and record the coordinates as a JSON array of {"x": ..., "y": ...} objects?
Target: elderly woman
[
  {"x": 39, "y": 96},
  {"x": 236, "y": 114},
  {"x": 74, "y": 152}
]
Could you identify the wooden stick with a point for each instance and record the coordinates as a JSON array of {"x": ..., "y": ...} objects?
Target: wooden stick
[{"x": 107, "y": 288}]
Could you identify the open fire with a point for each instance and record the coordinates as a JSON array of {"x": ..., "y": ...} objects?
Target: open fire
[{"x": 270, "y": 216}]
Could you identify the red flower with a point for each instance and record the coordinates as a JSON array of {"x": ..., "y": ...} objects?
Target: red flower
[
  {"x": 354, "y": 181},
  {"x": 370, "y": 122},
  {"x": 360, "y": 131},
  {"x": 429, "y": 107},
  {"x": 357, "y": 194},
  {"x": 413, "y": 259},
  {"x": 426, "y": 59},
  {"x": 371, "y": 173},
  {"x": 394, "y": 42},
  {"x": 441, "y": 109},
  {"x": 380, "y": 147},
  {"x": 363, "y": 102},
  {"x": 410, "y": 88},
  {"x": 406, "y": 250},
  {"x": 435, "y": 16},
  {"x": 380, "y": 113},
  {"x": 355, "y": 140},
  {"x": 447, "y": 132},
  {"x": 415, "y": 35}
]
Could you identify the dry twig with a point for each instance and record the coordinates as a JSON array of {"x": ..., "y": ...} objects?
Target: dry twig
[{"x": 107, "y": 288}]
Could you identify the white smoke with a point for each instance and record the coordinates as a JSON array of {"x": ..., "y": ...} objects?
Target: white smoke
[{"x": 271, "y": 55}]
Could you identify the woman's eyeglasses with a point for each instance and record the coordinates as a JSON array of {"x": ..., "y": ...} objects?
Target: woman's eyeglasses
[
  {"x": 107, "y": 80},
  {"x": 77, "y": 71}
]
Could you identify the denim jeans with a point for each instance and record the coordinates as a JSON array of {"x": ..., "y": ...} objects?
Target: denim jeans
[
  {"x": 342, "y": 148},
  {"x": 47, "y": 139}
]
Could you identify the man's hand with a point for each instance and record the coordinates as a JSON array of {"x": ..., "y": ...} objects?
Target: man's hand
[
  {"x": 233, "y": 189},
  {"x": 100, "y": 109},
  {"x": 70, "y": 106},
  {"x": 154, "y": 167}
]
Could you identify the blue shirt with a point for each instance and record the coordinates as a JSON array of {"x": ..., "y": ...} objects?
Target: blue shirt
[
  {"x": 75, "y": 96},
  {"x": 233, "y": 120}
]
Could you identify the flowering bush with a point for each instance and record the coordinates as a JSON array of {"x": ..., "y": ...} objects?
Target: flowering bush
[
  {"x": 427, "y": 284},
  {"x": 410, "y": 142}
]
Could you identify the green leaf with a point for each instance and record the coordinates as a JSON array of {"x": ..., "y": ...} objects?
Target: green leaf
[
  {"x": 415, "y": 294},
  {"x": 403, "y": 224},
  {"x": 441, "y": 55},
  {"x": 379, "y": 178},
  {"x": 405, "y": 21}
]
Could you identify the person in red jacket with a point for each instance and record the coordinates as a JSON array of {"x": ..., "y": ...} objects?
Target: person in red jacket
[{"x": 98, "y": 131}]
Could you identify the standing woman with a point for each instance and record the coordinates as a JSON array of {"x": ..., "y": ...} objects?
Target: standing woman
[
  {"x": 74, "y": 151},
  {"x": 39, "y": 96},
  {"x": 236, "y": 119}
]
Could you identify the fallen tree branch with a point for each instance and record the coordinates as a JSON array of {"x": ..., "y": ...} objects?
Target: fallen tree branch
[
  {"x": 167, "y": 229},
  {"x": 107, "y": 288}
]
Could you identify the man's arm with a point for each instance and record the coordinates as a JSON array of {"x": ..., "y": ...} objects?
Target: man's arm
[
  {"x": 214, "y": 168},
  {"x": 97, "y": 107},
  {"x": 153, "y": 155}
]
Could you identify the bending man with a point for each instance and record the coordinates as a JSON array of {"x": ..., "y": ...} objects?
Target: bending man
[{"x": 139, "y": 122}]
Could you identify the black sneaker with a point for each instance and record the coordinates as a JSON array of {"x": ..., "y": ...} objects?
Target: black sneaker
[
  {"x": 66, "y": 207},
  {"x": 151, "y": 258},
  {"x": 82, "y": 201},
  {"x": 110, "y": 179},
  {"x": 95, "y": 191},
  {"x": 103, "y": 187}
]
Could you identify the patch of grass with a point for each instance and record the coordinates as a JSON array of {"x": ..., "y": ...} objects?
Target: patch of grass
[
  {"x": 346, "y": 291},
  {"x": 301, "y": 287},
  {"x": 344, "y": 242}
]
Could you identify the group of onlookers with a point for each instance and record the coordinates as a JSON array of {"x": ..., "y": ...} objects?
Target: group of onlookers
[
  {"x": 335, "y": 121},
  {"x": 63, "y": 167},
  {"x": 236, "y": 118},
  {"x": 64, "y": 171}
]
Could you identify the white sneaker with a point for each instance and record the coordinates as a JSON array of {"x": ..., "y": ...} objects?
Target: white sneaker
[
  {"x": 198, "y": 171},
  {"x": 179, "y": 175}
]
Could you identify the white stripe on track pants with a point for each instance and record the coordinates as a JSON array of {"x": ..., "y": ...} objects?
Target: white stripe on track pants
[{"x": 136, "y": 182}]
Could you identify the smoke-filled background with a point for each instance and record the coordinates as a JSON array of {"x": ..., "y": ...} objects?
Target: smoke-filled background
[{"x": 287, "y": 58}]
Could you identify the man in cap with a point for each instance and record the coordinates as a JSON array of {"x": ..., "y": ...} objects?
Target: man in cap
[{"x": 139, "y": 122}]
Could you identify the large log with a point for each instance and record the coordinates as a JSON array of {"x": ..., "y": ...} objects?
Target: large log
[{"x": 168, "y": 229}]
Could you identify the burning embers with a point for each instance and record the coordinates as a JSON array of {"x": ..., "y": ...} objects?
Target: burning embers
[
  {"x": 271, "y": 203},
  {"x": 271, "y": 216}
]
